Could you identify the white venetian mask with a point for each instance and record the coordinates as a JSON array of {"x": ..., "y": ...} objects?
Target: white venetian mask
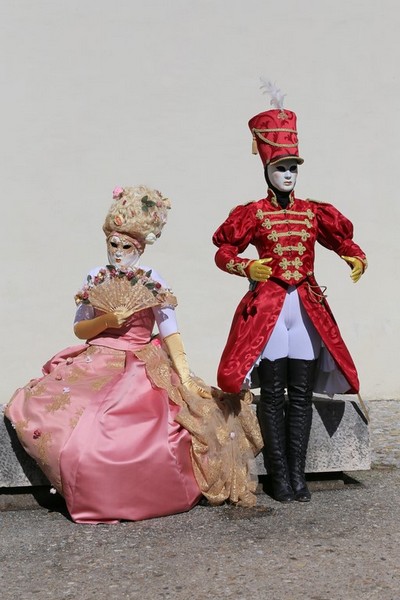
[
  {"x": 123, "y": 251},
  {"x": 283, "y": 175}
]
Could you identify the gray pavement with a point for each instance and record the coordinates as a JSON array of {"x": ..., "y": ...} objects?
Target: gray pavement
[
  {"x": 344, "y": 545},
  {"x": 385, "y": 432}
]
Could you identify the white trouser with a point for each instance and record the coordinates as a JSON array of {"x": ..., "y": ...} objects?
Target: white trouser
[{"x": 293, "y": 335}]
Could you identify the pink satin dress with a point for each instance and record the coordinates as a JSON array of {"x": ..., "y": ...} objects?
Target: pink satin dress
[{"x": 101, "y": 425}]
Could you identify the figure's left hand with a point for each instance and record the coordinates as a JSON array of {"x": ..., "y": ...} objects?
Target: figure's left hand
[
  {"x": 195, "y": 387},
  {"x": 178, "y": 356},
  {"x": 357, "y": 267}
]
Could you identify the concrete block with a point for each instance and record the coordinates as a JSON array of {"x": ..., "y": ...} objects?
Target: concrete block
[
  {"x": 339, "y": 439},
  {"x": 17, "y": 468}
]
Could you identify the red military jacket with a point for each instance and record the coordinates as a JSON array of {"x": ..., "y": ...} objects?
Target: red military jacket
[{"x": 288, "y": 236}]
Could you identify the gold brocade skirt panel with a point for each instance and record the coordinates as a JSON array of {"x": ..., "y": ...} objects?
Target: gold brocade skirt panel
[{"x": 225, "y": 433}]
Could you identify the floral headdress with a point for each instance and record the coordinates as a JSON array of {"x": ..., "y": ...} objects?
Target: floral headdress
[{"x": 139, "y": 212}]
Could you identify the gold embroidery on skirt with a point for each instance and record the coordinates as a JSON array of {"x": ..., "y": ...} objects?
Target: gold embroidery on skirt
[
  {"x": 20, "y": 427},
  {"x": 158, "y": 370},
  {"x": 90, "y": 350},
  {"x": 117, "y": 364},
  {"x": 225, "y": 439},
  {"x": 38, "y": 389},
  {"x": 224, "y": 430},
  {"x": 74, "y": 420},
  {"x": 76, "y": 373},
  {"x": 59, "y": 402},
  {"x": 100, "y": 382},
  {"x": 42, "y": 446}
]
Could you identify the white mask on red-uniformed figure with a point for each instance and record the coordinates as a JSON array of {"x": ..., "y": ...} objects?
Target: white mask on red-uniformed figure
[{"x": 283, "y": 175}]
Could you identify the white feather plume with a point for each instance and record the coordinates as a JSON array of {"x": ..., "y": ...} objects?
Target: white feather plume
[{"x": 277, "y": 96}]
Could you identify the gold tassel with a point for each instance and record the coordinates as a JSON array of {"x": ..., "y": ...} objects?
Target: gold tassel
[{"x": 254, "y": 148}]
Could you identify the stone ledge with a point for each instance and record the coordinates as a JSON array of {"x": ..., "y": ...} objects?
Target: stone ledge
[
  {"x": 17, "y": 468},
  {"x": 339, "y": 441}
]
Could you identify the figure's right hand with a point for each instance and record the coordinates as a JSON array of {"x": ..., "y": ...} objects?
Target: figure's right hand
[
  {"x": 117, "y": 318},
  {"x": 259, "y": 271},
  {"x": 89, "y": 328}
]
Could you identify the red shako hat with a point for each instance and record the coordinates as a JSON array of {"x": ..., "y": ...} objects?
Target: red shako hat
[{"x": 275, "y": 131}]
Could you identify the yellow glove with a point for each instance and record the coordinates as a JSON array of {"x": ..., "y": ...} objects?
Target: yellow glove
[
  {"x": 357, "y": 267},
  {"x": 89, "y": 328},
  {"x": 178, "y": 357},
  {"x": 259, "y": 271}
]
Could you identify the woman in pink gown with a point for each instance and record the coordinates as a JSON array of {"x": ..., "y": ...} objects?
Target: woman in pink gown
[{"x": 119, "y": 425}]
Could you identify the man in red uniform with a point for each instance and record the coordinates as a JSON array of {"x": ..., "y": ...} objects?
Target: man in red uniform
[{"x": 283, "y": 326}]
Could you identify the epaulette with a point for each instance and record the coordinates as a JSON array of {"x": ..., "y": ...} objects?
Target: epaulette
[
  {"x": 317, "y": 201},
  {"x": 238, "y": 205}
]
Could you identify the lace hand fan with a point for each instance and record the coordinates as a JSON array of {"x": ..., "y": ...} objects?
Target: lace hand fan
[{"x": 118, "y": 293}]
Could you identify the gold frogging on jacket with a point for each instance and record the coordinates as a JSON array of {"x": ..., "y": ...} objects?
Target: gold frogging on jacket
[
  {"x": 308, "y": 214},
  {"x": 281, "y": 225},
  {"x": 238, "y": 268},
  {"x": 288, "y": 274},
  {"x": 279, "y": 249},
  {"x": 274, "y": 235}
]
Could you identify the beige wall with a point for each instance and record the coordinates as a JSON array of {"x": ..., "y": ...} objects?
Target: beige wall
[{"x": 99, "y": 93}]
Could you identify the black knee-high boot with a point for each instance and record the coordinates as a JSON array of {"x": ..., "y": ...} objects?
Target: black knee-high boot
[
  {"x": 301, "y": 374},
  {"x": 271, "y": 416}
]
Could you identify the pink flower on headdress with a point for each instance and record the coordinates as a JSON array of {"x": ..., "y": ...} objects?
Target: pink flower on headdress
[
  {"x": 118, "y": 220},
  {"x": 117, "y": 192}
]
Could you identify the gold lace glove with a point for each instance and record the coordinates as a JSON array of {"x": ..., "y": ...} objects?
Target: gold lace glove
[{"x": 178, "y": 357}]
